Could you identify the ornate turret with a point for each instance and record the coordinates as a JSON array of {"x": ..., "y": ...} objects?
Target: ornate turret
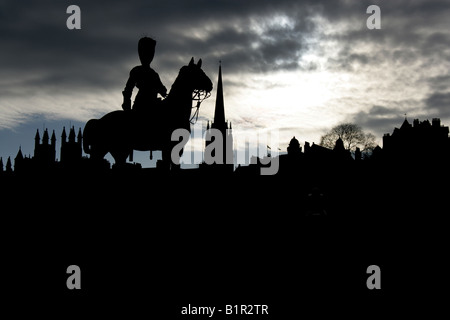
[
  {"x": 18, "y": 160},
  {"x": 339, "y": 146},
  {"x": 294, "y": 147},
  {"x": 44, "y": 153},
  {"x": 37, "y": 141},
  {"x": 45, "y": 137},
  {"x": 8, "y": 165},
  {"x": 79, "y": 136},
  {"x": 71, "y": 149},
  {"x": 72, "y": 135}
]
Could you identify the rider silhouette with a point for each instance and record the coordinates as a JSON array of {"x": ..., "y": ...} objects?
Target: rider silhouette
[{"x": 144, "y": 78}]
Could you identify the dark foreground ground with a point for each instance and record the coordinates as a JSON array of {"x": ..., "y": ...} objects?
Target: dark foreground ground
[{"x": 150, "y": 244}]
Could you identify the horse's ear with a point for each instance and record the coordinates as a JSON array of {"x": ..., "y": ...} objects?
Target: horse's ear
[
  {"x": 191, "y": 62},
  {"x": 199, "y": 63}
]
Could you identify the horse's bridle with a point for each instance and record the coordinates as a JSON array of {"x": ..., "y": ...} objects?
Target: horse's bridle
[{"x": 199, "y": 96}]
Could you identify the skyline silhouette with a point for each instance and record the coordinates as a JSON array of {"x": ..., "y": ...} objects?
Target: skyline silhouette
[
  {"x": 285, "y": 219},
  {"x": 420, "y": 141}
]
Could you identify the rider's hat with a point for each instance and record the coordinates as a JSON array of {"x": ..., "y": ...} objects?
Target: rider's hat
[{"x": 146, "y": 49}]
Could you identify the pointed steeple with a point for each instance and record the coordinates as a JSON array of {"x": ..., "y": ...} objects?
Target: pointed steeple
[
  {"x": 53, "y": 139},
  {"x": 79, "y": 136},
  {"x": 63, "y": 135},
  {"x": 37, "y": 141},
  {"x": 405, "y": 124},
  {"x": 18, "y": 160},
  {"x": 8, "y": 165},
  {"x": 37, "y": 137},
  {"x": 220, "y": 124},
  {"x": 72, "y": 135},
  {"x": 19, "y": 155},
  {"x": 219, "y": 111}
]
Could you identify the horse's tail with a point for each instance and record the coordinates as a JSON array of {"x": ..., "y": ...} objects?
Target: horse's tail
[{"x": 88, "y": 134}]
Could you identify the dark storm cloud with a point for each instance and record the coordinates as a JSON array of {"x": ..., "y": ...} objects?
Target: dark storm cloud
[
  {"x": 438, "y": 104},
  {"x": 410, "y": 30},
  {"x": 36, "y": 39},
  {"x": 379, "y": 119},
  {"x": 440, "y": 83},
  {"x": 110, "y": 30},
  {"x": 279, "y": 49},
  {"x": 40, "y": 53}
]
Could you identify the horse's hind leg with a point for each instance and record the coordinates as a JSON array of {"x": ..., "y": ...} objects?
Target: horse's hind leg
[
  {"x": 164, "y": 163},
  {"x": 120, "y": 157}
]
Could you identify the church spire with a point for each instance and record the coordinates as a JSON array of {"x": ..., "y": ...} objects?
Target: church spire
[
  {"x": 221, "y": 125},
  {"x": 219, "y": 111}
]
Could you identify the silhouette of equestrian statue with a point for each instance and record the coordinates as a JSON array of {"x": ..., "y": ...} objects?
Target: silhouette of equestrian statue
[{"x": 149, "y": 124}]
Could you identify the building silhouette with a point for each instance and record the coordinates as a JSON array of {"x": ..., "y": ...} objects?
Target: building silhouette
[
  {"x": 225, "y": 161},
  {"x": 420, "y": 141},
  {"x": 44, "y": 156},
  {"x": 294, "y": 149}
]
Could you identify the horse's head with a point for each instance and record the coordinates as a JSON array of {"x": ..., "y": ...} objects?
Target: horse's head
[
  {"x": 194, "y": 77},
  {"x": 191, "y": 84}
]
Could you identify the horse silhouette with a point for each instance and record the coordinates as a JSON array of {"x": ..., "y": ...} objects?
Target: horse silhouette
[{"x": 120, "y": 132}]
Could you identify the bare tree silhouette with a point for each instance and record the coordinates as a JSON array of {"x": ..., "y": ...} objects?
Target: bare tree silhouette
[{"x": 351, "y": 135}]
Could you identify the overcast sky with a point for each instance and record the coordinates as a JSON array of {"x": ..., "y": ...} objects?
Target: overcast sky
[{"x": 298, "y": 67}]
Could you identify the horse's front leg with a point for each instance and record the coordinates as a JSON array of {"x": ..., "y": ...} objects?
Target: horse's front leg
[{"x": 165, "y": 162}]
